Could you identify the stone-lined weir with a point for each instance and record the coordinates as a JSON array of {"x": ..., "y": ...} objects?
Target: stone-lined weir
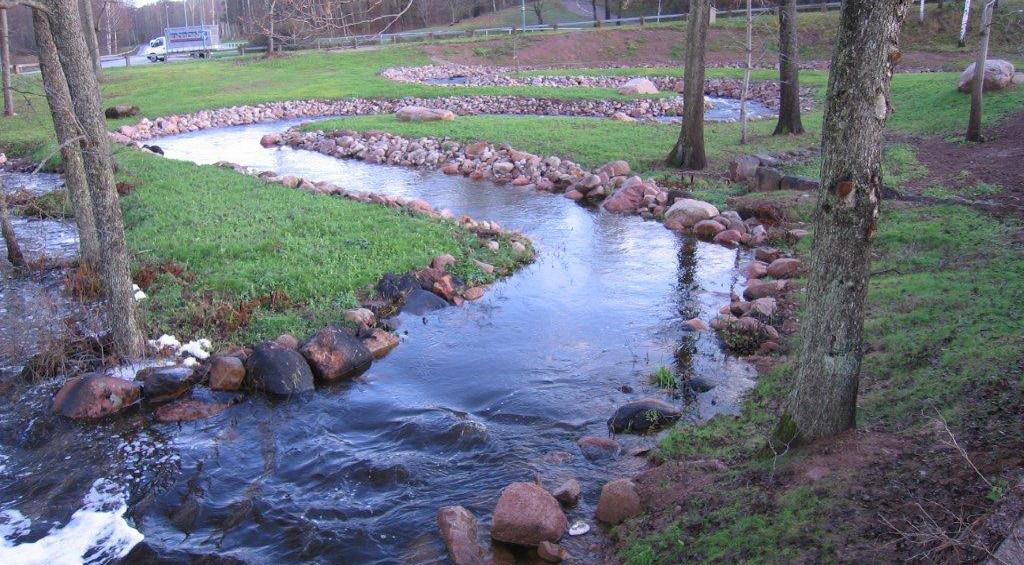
[{"x": 475, "y": 397}]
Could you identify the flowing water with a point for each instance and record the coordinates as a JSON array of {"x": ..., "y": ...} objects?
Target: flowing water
[{"x": 475, "y": 397}]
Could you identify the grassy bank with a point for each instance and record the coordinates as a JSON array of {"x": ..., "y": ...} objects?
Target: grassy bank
[{"x": 236, "y": 258}]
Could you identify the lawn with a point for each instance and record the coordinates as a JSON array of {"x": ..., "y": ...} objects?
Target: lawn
[{"x": 231, "y": 242}]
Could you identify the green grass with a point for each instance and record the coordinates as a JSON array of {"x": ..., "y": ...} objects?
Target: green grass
[
  {"x": 941, "y": 324},
  {"x": 239, "y": 239},
  {"x": 589, "y": 141}
]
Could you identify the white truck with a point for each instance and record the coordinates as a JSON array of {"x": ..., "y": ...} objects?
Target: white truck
[{"x": 194, "y": 41}]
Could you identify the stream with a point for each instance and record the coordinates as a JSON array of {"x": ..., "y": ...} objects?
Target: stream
[{"x": 474, "y": 398}]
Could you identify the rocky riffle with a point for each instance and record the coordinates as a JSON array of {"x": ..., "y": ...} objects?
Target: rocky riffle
[{"x": 766, "y": 92}]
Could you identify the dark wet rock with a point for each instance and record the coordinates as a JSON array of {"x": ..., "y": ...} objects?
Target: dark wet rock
[
  {"x": 568, "y": 493},
  {"x": 94, "y": 396},
  {"x": 336, "y": 354},
  {"x": 144, "y": 554},
  {"x": 153, "y": 149},
  {"x": 557, "y": 457},
  {"x": 695, "y": 385},
  {"x": 188, "y": 410},
  {"x": 458, "y": 529},
  {"x": 420, "y": 302},
  {"x": 120, "y": 111},
  {"x": 552, "y": 552},
  {"x": 526, "y": 514},
  {"x": 278, "y": 370},
  {"x": 380, "y": 475},
  {"x": 598, "y": 448},
  {"x": 466, "y": 434},
  {"x": 644, "y": 415},
  {"x": 395, "y": 288},
  {"x": 619, "y": 501},
  {"x": 161, "y": 384},
  {"x": 227, "y": 372}
]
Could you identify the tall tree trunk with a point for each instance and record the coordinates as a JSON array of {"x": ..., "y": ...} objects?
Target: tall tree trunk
[
  {"x": 89, "y": 29},
  {"x": 55, "y": 84},
  {"x": 688, "y": 152},
  {"x": 824, "y": 399},
  {"x": 5, "y": 60},
  {"x": 746, "y": 73},
  {"x": 607, "y": 9},
  {"x": 789, "y": 73},
  {"x": 593, "y": 4},
  {"x": 963, "y": 23},
  {"x": 72, "y": 49},
  {"x": 7, "y": 230},
  {"x": 978, "y": 85}
]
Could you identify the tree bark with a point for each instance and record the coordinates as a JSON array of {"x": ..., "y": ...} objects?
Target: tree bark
[
  {"x": 688, "y": 152},
  {"x": 14, "y": 255},
  {"x": 789, "y": 73},
  {"x": 746, "y": 73},
  {"x": 978, "y": 85},
  {"x": 68, "y": 36},
  {"x": 58, "y": 97},
  {"x": 89, "y": 29},
  {"x": 824, "y": 399},
  {"x": 5, "y": 60}
]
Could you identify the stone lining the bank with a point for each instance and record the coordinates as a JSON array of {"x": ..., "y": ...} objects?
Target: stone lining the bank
[
  {"x": 612, "y": 184},
  {"x": 147, "y": 129},
  {"x": 765, "y": 92}
]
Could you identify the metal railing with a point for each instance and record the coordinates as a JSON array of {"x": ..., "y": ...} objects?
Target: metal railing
[{"x": 354, "y": 41}]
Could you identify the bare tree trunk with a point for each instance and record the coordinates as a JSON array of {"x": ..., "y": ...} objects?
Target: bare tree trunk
[
  {"x": 824, "y": 399},
  {"x": 688, "y": 152},
  {"x": 65, "y": 124},
  {"x": 963, "y": 23},
  {"x": 72, "y": 49},
  {"x": 920, "y": 15},
  {"x": 89, "y": 28},
  {"x": 593, "y": 4},
  {"x": 789, "y": 73},
  {"x": 607, "y": 9},
  {"x": 746, "y": 74},
  {"x": 5, "y": 60},
  {"x": 13, "y": 250},
  {"x": 978, "y": 85}
]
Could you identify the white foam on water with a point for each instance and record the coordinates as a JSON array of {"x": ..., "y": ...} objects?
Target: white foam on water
[{"x": 96, "y": 533}]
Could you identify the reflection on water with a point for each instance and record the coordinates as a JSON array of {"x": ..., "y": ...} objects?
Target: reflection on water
[{"x": 474, "y": 398}]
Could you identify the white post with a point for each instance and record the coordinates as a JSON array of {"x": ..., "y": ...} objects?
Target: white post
[
  {"x": 524, "y": 15},
  {"x": 920, "y": 16}
]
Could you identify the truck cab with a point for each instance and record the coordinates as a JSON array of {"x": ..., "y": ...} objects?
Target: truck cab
[{"x": 157, "y": 50}]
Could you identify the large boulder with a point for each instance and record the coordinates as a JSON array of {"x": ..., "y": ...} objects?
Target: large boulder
[
  {"x": 686, "y": 212},
  {"x": 638, "y": 85},
  {"x": 336, "y": 354},
  {"x": 998, "y": 75},
  {"x": 627, "y": 198},
  {"x": 94, "y": 396},
  {"x": 619, "y": 501},
  {"x": 526, "y": 514},
  {"x": 421, "y": 114},
  {"x": 278, "y": 370},
  {"x": 421, "y": 302},
  {"x": 161, "y": 384},
  {"x": 459, "y": 531},
  {"x": 644, "y": 415}
]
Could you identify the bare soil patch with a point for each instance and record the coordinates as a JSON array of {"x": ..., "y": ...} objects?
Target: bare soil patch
[{"x": 961, "y": 166}]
